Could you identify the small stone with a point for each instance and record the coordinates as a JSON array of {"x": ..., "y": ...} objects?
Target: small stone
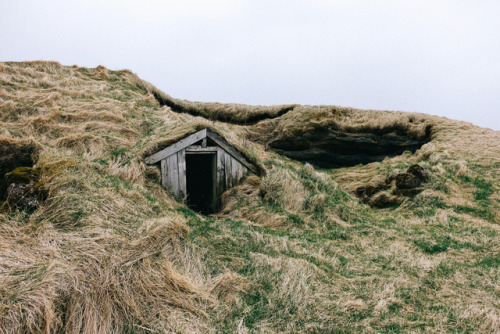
[
  {"x": 407, "y": 181},
  {"x": 407, "y": 192},
  {"x": 419, "y": 172},
  {"x": 361, "y": 191}
]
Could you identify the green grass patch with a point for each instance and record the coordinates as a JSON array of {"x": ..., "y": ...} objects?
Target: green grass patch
[
  {"x": 489, "y": 262},
  {"x": 102, "y": 162},
  {"x": 481, "y": 212},
  {"x": 437, "y": 245},
  {"x": 117, "y": 183},
  {"x": 484, "y": 188},
  {"x": 119, "y": 152}
]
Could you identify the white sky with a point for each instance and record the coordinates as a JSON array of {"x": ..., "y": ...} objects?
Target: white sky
[{"x": 439, "y": 57}]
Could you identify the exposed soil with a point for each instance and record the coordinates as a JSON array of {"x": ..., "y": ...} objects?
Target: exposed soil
[
  {"x": 332, "y": 148},
  {"x": 14, "y": 154}
]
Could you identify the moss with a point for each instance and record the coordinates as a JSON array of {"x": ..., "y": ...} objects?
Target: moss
[
  {"x": 414, "y": 169},
  {"x": 23, "y": 175}
]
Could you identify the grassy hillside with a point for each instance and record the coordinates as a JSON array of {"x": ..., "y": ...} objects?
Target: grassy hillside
[{"x": 105, "y": 249}]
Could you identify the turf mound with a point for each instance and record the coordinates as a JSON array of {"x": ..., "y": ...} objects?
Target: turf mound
[
  {"x": 331, "y": 137},
  {"x": 108, "y": 250}
]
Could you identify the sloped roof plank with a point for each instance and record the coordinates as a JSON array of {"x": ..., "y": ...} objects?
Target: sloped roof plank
[
  {"x": 174, "y": 148},
  {"x": 229, "y": 149},
  {"x": 192, "y": 139}
]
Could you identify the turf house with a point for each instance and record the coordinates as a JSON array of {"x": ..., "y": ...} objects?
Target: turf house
[{"x": 200, "y": 167}]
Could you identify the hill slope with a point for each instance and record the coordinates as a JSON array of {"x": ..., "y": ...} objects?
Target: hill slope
[{"x": 104, "y": 248}]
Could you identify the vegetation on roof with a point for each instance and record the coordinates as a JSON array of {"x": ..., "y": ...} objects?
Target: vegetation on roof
[{"x": 108, "y": 250}]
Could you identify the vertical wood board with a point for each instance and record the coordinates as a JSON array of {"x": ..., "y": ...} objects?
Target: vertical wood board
[
  {"x": 172, "y": 174},
  {"x": 164, "y": 173},
  {"x": 221, "y": 175},
  {"x": 228, "y": 170},
  {"x": 236, "y": 171},
  {"x": 181, "y": 161}
]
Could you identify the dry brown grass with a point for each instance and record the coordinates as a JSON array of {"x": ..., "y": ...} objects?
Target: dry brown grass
[
  {"x": 305, "y": 119},
  {"x": 225, "y": 112},
  {"x": 110, "y": 251},
  {"x": 100, "y": 256}
]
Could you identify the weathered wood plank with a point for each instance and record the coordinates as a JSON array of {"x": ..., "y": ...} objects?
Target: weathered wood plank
[
  {"x": 221, "y": 177},
  {"x": 194, "y": 149},
  {"x": 235, "y": 166},
  {"x": 164, "y": 173},
  {"x": 228, "y": 159},
  {"x": 229, "y": 149},
  {"x": 241, "y": 173},
  {"x": 181, "y": 162},
  {"x": 174, "y": 148},
  {"x": 173, "y": 173},
  {"x": 244, "y": 172}
]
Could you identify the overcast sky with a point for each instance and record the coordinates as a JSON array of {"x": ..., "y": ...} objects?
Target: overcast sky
[{"x": 439, "y": 57}]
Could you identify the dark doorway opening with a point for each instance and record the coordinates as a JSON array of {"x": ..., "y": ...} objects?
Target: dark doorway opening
[{"x": 201, "y": 182}]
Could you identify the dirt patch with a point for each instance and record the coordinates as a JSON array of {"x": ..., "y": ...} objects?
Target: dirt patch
[
  {"x": 15, "y": 154},
  {"x": 24, "y": 191}
]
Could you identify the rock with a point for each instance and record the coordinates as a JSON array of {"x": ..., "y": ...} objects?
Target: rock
[
  {"x": 367, "y": 190},
  {"x": 412, "y": 179},
  {"x": 392, "y": 190},
  {"x": 419, "y": 172},
  {"x": 407, "y": 181},
  {"x": 383, "y": 200},
  {"x": 361, "y": 191},
  {"x": 407, "y": 192},
  {"x": 374, "y": 186}
]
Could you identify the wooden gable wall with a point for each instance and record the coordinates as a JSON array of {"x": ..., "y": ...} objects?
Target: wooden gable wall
[
  {"x": 227, "y": 165},
  {"x": 173, "y": 173},
  {"x": 229, "y": 172}
]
